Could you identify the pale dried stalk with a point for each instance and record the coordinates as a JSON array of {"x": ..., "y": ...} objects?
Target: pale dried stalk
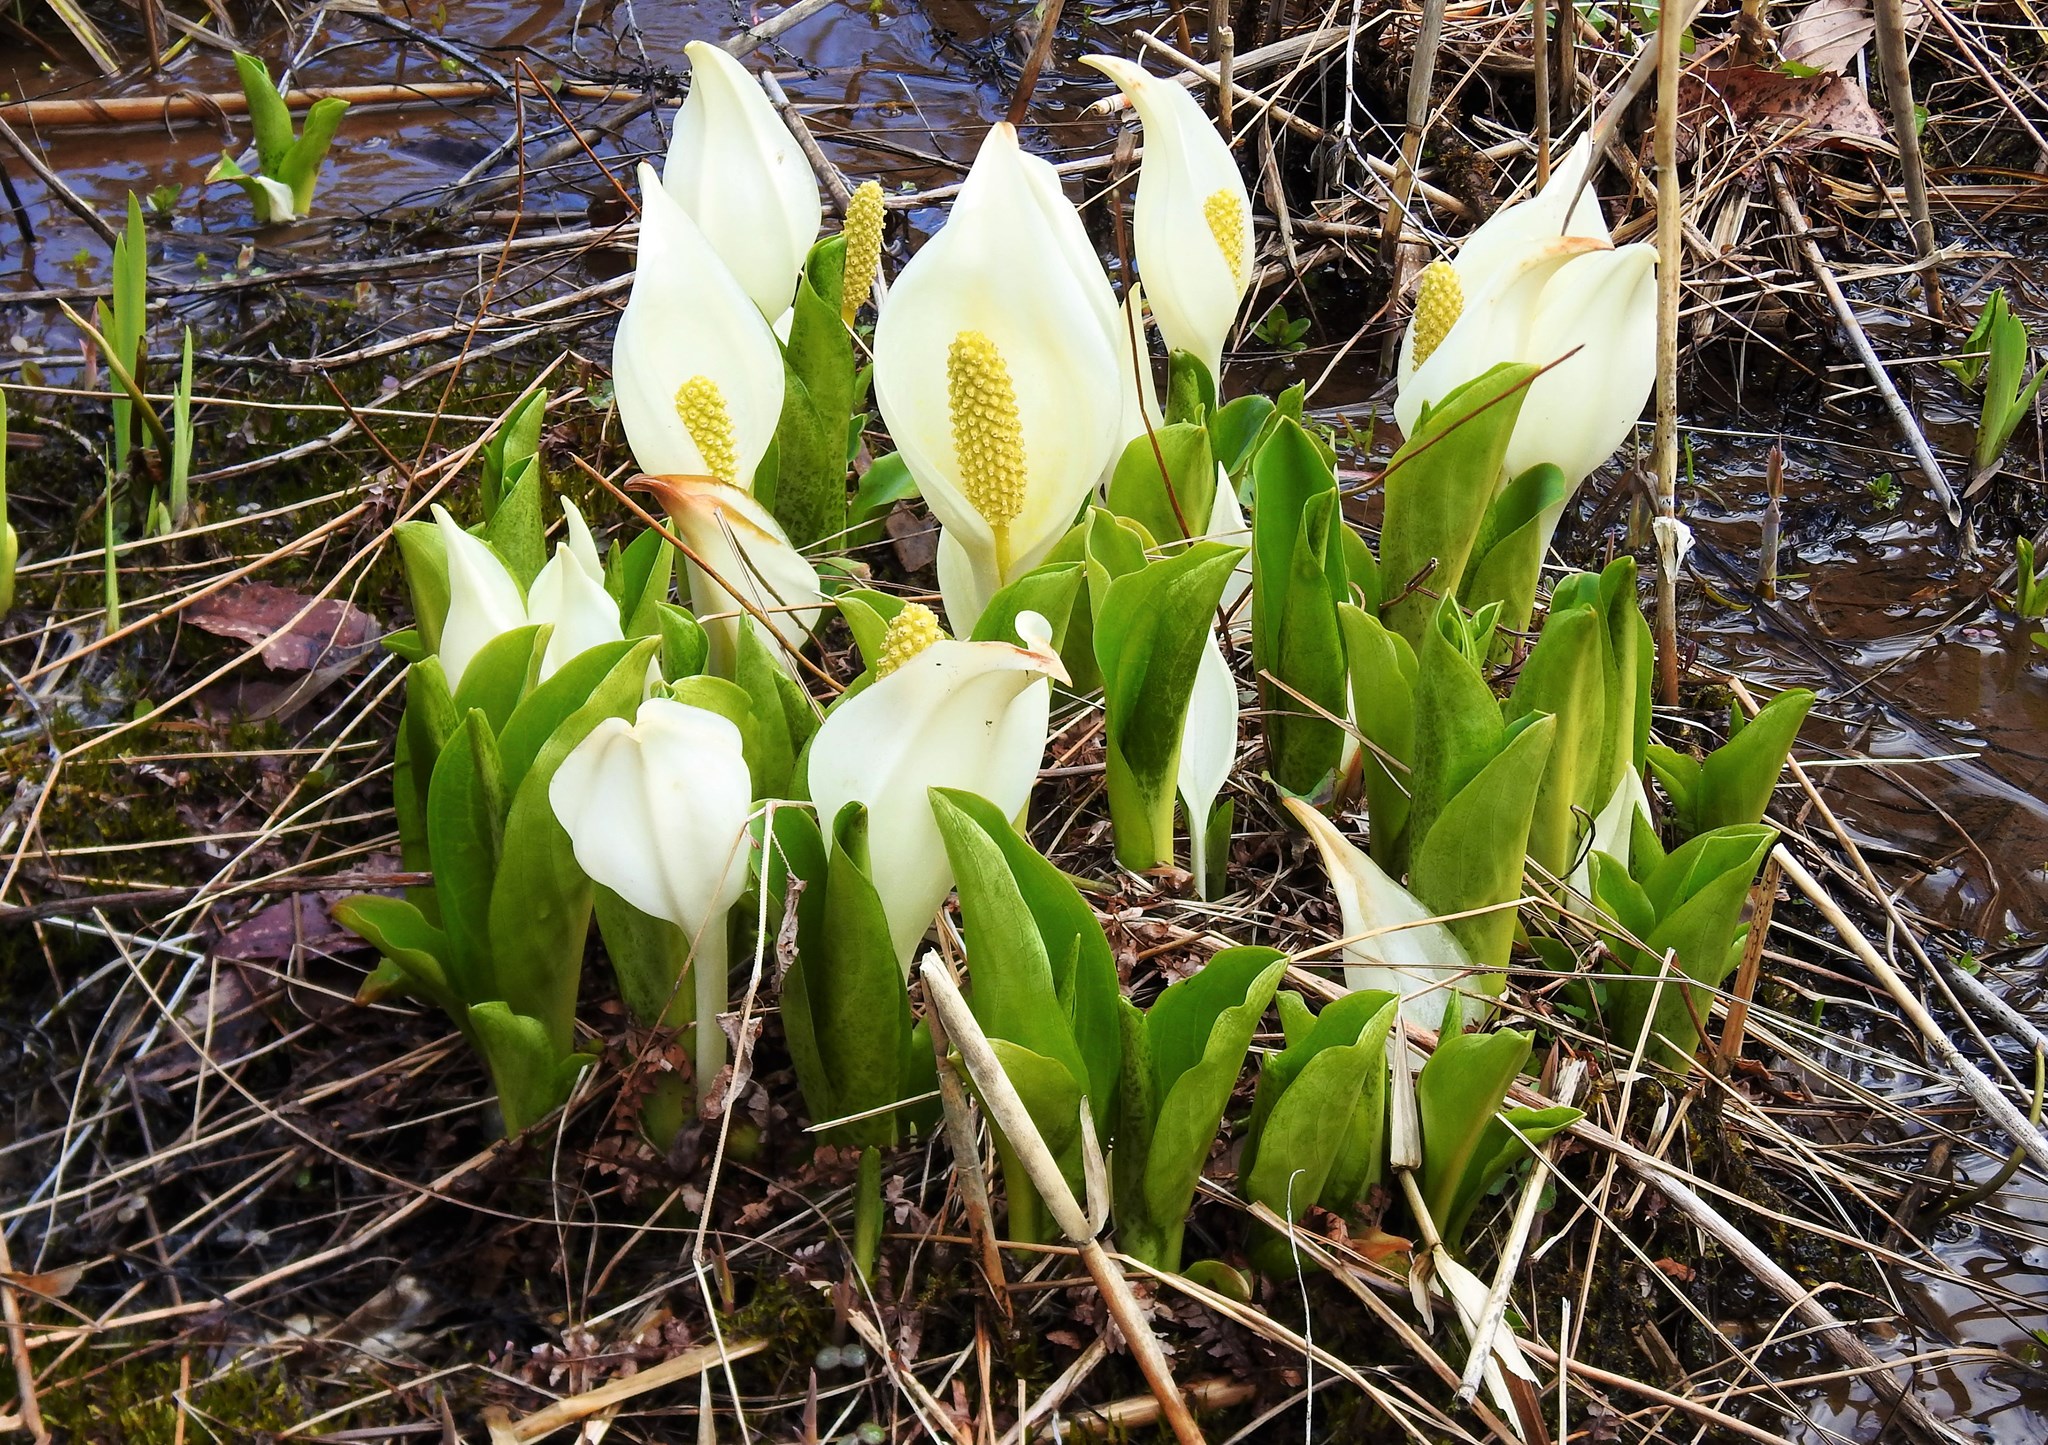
[
  {"x": 1898, "y": 92},
  {"x": 999, "y": 1096},
  {"x": 567, "y": 1412},
  {"x": 1670, "y": 255}
]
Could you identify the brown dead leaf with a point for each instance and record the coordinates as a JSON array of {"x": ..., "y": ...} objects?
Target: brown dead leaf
[
  {"x": 330, "y": 633},
  {"x": 50, "y": 1284},
  {"x": 914, "y": 535},
  {"x": 1827, "y": 34},
  {"x": 1683, "y": 1273},
  {"x": 1767, "y": 108}
]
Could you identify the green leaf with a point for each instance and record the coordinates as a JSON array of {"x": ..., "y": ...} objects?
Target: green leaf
[
  {"x": 868, "y": 614},
  {"x": 526, "y": 732},
  {"x": 1150, "y": 629},
  {"x": 1235, "y": 429},
  {"x": 1438, "y": 488},
  {"x": 540, "y": 902},
  {"x": 268, "y": 117},
  {"x": 425, "y": 559},
  {"x": 1501, "y": 1147},
  {"x": 685, "y": 647},
  {"x": 1082, "y": 965},
  {"x": 404, "y": 937},
  {"x": 1195, "y": 1070},
  {"x": 517, "y": 530},
  {"x": 1190, "y": 390},
  {"x": 515, "y": 439},
  {"x": 639, "y": 582},
  {"x": 818, "y": 397},
  {"x": 1009, "y": 966},
  {"x": 1298, "y": 579},
  {"x": 1737, "y": 778},
  {"x": 300, "y": 167},
  {"x": 1052, "y": 1097},
  {"x": 1049, "y": 589},
  {"x": 1563, "y": 678},
  {"x": 779, "y": 731},
  {"x": 886, "y": 482},
  {"x": 1507, "y": 557},
  {"x": 1317, "y": 1089},
  {"x": 1382, "y": 668},
  {"x": 496, "y": 678},
  {"x": 849, "y": 991},
  {"x": 1471, "y": 858},
  {"x": 1458, "y": 727},
  {"x": 1457, "y": 1093},
  {"x": 466, "y": 845},
  {"x": 1166, "y": 481},
  {"x": 532, "y": 1076}
]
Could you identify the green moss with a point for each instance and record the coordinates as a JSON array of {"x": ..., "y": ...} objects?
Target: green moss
[{"x": 135, "y": 1399}]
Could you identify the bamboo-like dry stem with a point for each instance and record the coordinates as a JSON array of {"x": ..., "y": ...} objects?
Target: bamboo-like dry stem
[
  {"x": 1898, "y": 93},
  {"x": 1421, "y": 76},
  {"x": 1670, "y": 256}
]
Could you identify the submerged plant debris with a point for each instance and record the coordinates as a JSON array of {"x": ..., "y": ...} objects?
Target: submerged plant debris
[{"x": 1744, "y": 1114}]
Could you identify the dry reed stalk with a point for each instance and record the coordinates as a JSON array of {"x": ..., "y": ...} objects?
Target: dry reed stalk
[{"x": 1670, "y": 257}]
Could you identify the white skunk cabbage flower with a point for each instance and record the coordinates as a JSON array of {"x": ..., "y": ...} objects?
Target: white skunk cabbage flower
[
  {"x": 483, "y": 597},
  {"x": 696, "y": 372},
  {"x": 940, "y": 714},
  {"x": 657, "y": 811},
  {"x": 994, "y": 372},
  {"x": 735, "y": 167},
  {"x": 745, "y": 569},
  {"x": 1613, "y": 830},
  {"x": 1208, "y": 747},
  {"x": 1193, "y": 223},
  {"x": 1541, "y": 282},
  {"x": 1406, "y": 954},
  {"x": 570, "y": 594}
]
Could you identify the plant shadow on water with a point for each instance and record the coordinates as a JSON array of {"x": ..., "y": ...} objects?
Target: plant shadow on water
[{"x": 220, "y": 1033}]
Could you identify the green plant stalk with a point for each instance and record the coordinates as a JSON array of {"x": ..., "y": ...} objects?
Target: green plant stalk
[
  {"x": 867, "y": 1213},
  {"x": 181, "y": 440},
  {"x": 125, "y": 377}
]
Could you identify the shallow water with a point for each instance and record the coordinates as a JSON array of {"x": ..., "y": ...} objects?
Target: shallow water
[{"x": 1875, "y": 610}]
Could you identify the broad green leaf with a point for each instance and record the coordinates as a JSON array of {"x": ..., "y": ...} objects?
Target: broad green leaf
[
  {"x": 268, "y": 117},
  {"x": 1190, "y": 390},
  {"x": 517, "y": 530},
  {"x": 465, "y": 848},
  {"x": 1737, "y": 778},
  {"x": 1166, "y": 482},
  {"x": 533, "y": 1077},
  {"x": 405, "y": 938},
  {"x": 496, "y": 678},
  {"x": 1313, "y": 1115},
  {"x": 1501, "y": 1147},
  {"x": 425, "y": 560},
  {"x": 773, "y": 755},
  {"x": 1457, "y": 1093},
  {"x": 810, "y": 487},
  {"x": 1150, "y": 629},
  {"x": 638, "y": 581},
  {"x": 868, "y": 614},
  {"x": 1013, "y": 995},
  {"x": 300, "y": 169},
  {"x": 685, "y": 647},
  {"x": 1382, "y": 667},
  {"x": 1458, "y": 728},
  {"x": 885, "y": 483},
  {"x": 1052, "y": 1097},
  {"x": 1191, "y": 1105},
  {"x": 1563, "y": 677},
  {"x": 1507, "y": 557},
  {"x": 1082, "y": 965},
  {"x": 1235, "y": 429},
  {"x": 1472, "y": 855},
  {"x": 539, "y": 909},
  {"x": 1050, "y": 589},
  {"x": 1438, "y": 487},
  {"x": 514, "y": 440},
  {"x": 1298, "y": 578}
]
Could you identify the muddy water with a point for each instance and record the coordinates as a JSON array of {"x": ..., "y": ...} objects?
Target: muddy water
[{"x": 1875, "y": 611}]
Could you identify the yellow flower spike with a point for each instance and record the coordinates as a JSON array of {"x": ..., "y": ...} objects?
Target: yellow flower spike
[
  {"x": 910, "y": 632},
  {"x": 1224, "y": 211},
  {"x": 863, "y": 232},
  {"x": 1439, "y": 300},
  {"x": 988, "y": 437},
  {"x": 701, "y": 405}
]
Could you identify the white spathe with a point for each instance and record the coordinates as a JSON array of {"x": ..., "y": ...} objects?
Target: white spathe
[
  {"x": 1541, "y": 281},
  {"x": 1192, "y": 227},
  {"x": 1208, "y": 748},
  {"x": 999, "y": 267},
  {"x": 1613, "y": 830},
  {"x": 735, "y": 167},
  {"x": 570, "y": 595},
  {"x": 656, "y": 810},
  {"x": 688, "y": 317},
  {"x": 967, "y": 715},
  {"x": 1392, "y": 942},
  {"x": 483, "y": 597},
  {"x": 744, "y": 564}
]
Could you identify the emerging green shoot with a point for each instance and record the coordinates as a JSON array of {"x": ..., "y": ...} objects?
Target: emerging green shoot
[
  {"x": 288, "y": 165},
  {"x": 1995, "y": 356}
]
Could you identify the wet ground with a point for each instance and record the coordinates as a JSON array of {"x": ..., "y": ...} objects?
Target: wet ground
[{"x": 1930, "y": 736}]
